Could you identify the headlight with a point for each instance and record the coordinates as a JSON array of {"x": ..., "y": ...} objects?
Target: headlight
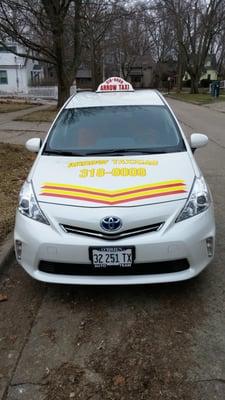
[
  {"x": 28, "y": 204},
  {"x": 199, "y": 200}
]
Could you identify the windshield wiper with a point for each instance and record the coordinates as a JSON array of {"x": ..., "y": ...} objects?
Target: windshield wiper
[
  {"x": 61, "y": 153},
  {"x": 115, "y": 152},
  {"x": 127, "y": 151}
]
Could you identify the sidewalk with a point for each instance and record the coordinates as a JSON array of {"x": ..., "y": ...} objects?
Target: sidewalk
[{"x": 18, "y": 132}]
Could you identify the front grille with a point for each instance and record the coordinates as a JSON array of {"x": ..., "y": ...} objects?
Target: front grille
[
  {"x": 163, "y": 267},
  {"x": 112, "y": 236}
]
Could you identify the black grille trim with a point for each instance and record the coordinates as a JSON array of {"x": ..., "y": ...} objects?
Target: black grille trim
[
  {"x": 163, "y": 267},
  {"x": 112, "y": 236}
]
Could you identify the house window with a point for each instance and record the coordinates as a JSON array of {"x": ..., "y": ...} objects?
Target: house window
[
  {"x": 10, "y": 49},
  {"x": 3, "y": 78}
]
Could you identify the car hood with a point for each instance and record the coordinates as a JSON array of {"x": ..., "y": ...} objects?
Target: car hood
[{"x": 113, "y": 181}]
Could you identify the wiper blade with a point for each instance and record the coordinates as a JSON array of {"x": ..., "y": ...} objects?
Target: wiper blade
[
  {"x": 127, "y": 151},
  {"x": 61, "y": 153},
  {"x": 118, "y": 152}
]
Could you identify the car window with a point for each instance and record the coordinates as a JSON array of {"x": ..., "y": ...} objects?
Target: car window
[{"x": 115, "y": 128}]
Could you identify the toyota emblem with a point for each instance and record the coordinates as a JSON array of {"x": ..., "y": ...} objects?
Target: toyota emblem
[{"x": 111, "y": 223}]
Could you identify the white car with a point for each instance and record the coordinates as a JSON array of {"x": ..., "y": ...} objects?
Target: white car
[{"x": 115, "y": 195}]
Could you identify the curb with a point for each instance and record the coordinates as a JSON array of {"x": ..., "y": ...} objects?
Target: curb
[
  {"x": 6, "y": 250},
  {"x": 168, "y": 96}
]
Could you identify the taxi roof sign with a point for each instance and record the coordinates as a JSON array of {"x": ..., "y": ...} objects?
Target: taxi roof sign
[{"x": 115, "y": 84}]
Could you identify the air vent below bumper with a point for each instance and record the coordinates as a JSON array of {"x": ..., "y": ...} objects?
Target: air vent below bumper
[{"x": 163, "y": 267}]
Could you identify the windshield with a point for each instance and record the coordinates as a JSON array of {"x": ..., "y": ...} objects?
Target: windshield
[{"x": 115, "y": 129}]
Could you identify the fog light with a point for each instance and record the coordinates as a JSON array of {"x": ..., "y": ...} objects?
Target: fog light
[
  {"x": 18, "y": 249},
  {"x": 209, "y": 245}
]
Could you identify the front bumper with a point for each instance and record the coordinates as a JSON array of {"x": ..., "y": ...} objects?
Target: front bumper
[{"x": 183, "y": 240}]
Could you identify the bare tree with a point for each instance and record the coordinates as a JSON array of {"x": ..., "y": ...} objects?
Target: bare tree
[
  {"x": 196, "y": 23},
  {"x": 58, "y": 31},
  {"x": 98, "y": 16},
  {"x": 218, "y": 48},
  {"x": 49, "y": 31},
  {"x": 129, "y": 37},
  {"x": 162, "y": 38}
]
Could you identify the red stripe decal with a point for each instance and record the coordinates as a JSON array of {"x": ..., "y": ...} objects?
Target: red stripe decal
[
  {"x": 113, "y": 202},
  {"x": 171, "y": 185}
]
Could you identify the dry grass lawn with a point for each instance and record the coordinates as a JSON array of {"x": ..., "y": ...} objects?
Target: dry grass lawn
[
  {"x": 46, "y": 115},
  {"x": 6, "y": 106},
  {"x": 200, "y": 98},
  {"x": 15, "y": 162}
]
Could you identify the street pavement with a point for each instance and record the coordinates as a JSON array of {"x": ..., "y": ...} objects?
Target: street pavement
[
  {"x": 217, "y": 106},
  {"x": 159, "y": 342}
]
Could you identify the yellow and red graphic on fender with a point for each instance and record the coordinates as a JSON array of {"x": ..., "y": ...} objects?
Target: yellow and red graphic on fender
[{"x": 112, "y": 197}]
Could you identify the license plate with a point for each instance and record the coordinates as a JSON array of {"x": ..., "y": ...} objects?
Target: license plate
[{"x": 104, "y": 257}]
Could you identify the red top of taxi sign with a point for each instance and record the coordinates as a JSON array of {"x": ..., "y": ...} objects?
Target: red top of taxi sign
[{"x": 115, "y": 84}]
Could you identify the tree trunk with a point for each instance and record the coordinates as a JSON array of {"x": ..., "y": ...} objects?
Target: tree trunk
[
  {"x": 63, "y": 81},
  {"x": 93, "y": 67},
  {"x": 63, "y": 90},
  {"x": 93, "y": 75},
  {"x": 63, "y": 84},
  {"x": 194, "y": 84},
  {"x": 180, "y": 74}
]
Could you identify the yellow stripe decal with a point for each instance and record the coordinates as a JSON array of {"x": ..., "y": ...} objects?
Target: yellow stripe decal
[
  {"x": 107, "y": 191},
  {"x": 85, "y": 193}
]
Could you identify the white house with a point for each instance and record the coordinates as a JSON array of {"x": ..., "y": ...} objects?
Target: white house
[
  {"x": 16, "y": 73},
  {"x": 209, "y": 72}
]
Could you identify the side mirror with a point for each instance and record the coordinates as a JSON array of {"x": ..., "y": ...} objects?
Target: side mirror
[
  {"x": 198, "y": 140},
  {"x": 33, "y": 145}
]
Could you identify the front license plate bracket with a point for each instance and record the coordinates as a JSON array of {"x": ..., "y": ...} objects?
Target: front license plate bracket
[{"x": 110, "y": 256}]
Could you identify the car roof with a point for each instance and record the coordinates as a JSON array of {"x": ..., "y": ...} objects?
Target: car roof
[{"x": 93, "y": 99}]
